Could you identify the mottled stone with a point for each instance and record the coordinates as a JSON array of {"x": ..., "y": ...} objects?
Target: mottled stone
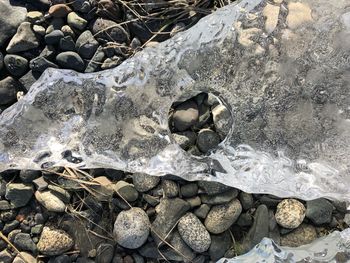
[
  {"x": 144, "y": 182},
  {"x": 194, "y": 233},
  {"x": 303, "y": 235},
  {"x": 290, "y": 213},
  {"x": 54, "y": 242},
  {"x": 131, "y": 228},
  {"x": 221, "y": 217}
]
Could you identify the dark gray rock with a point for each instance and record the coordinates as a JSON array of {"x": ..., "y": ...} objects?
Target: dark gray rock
[
  {"x": 137, "y": 258},
  {"x": 23, "y": 241},
  {"x": 185, "y": 139},
  {"x": 8, "y": 227},
  {"x": 23, "y": 40},
  {"x": 27, "y": 176},
  {"x": 189, "y": 190},
  {"x": 60, "y": 259},
  {"x": 221, "y": 198},
  {"x": 207, "y": 140},
  {"x": 212, "y": 188},
  {"x": 40, "y": 183},
  {"x": 144, "y": 182},
  {"x": 169, "y": 211},
  {"x": 319, "y": 211},
  {"x": 221, "y": 217},
  {"x": 86, "y": 45},
  {"x": 5, "y": 205},
  {"x": 109, "y": 31},
  {"x": 270, "y": 200},
  {"x": 245, "y": 220},
  {"x": 182, "y": 252},
  {"x": 202, "y": 211},
  {"x": 96, "y": 61},
  {"x": 246, "y": 200},
  {"x": 82, "y": 6},
  {"x": 193, "y": 232},
  {"x": 56, "y": 24},
  {"x": 8, "y": 215},
  {"x": 153, "y": 201},
  {"x": 40, "y": 64},
  {"x": 185, "y": 115},
  {"x": 5, "y": 256},
  {"x": 1, "y": 61},
  {"x": 8, "y": 90},
  {"x": 259, "y": 230},
  {"x": 10, "y": 18},
  {"x": 36, "y": 230},
  {"x": 104, "y": 253},
  {"x": 61, "y": 193},
  {"x": 49, "y": 52},
  {"x": 16, "y": 65},
  {"x": 219, "y": 245},
  {"x": 126, "y": 191},
  {"x": 70, "y": 60},
  {"x": 54, "y": 37},
  {"x": 135, "y": 43},
  {"x": 19, "y": 194},
  {"x": 67, "y": 44},
  {"x": 170, "y": 188},
  {"x": 131, "y": 228}
]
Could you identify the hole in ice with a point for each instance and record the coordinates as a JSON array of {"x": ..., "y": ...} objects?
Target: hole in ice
[{"x": 199, "y": 123}]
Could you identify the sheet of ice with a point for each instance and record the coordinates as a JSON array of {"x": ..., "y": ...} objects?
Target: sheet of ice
[{"x": 282, "y": 68}]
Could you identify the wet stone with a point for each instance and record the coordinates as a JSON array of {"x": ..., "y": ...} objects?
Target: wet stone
[
  {"x": 207, "y": 140},
  {"x": 86, "y": 45},
  {"x": 75, "y": 21},
  {"x": 59, "y": 10},
  {"x": 16, "y": 65},
  {"x": 67, "y": 43},
  {"x": 70, "y": 60},
  {"x": 126, "y": 191},
  {"x": 54, "y": 37},
  {"x": 185, "y": 115}
]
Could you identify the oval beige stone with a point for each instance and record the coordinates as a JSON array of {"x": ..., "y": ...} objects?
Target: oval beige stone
[{"x": 290, "y": 213}]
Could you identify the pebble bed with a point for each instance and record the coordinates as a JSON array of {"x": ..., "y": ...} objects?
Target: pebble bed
[{"x": 104, "y": 215}]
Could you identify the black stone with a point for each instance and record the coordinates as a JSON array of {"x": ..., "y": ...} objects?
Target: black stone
[
  {"x": 54, "y": 37},
  {"x": 16, "y": 65}
]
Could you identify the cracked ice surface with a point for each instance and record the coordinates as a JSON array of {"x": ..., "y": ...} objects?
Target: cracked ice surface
[{"x": 281, "y": 67}]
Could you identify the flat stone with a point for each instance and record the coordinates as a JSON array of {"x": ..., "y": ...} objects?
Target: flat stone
[
  {"x": 290, "y": 213},
  {"x": 319, "y": 211},
  {"x": 170, "y": 188},
  {"x": 126, "y": 190},
  {"x": 75, "y": 21},
  {"x": 59, "y": 10},
  {"x": 259, "y": 230},
  {"x": 34, "y": 16},
  {"x": 50, "y": 201},
  {"x": 23, "y": 40},
  {"x": 104, "y": 253},
  {"x": 54, "y": 242},
  {"x": 212, "y": 188},
  {"x": 11, "y": 17},
  {"x": 221, "y": 217},
  {"x": 207, "y": 140},
  {"x": 70, "y": 60},
  {"x": 222, "y": 120},
  {"x": 169, "y": 211},
  {"x": 219, "y": 245},
  {"x": 185, "y": 139},
  {"x": 24, "y": 242},
  {"x": 144, "y": 182},
  {"x": 8, "y": 90},
  {"x": 131, "y": 228},
  {"x": 40, "y": 183},
  {"x": 16, "y": 65},
  {"x": 5, "y": 257},
  {"x": 193, "y": 232},
  {"x": 189, "y": 190},
  {"x": 185, "y": 115},
  {"x": 221, "y": 198},
  {"x": 247, "y": 200},
  {"x": 40, "y": 64},
  {"x": 303, "y": 235},
  {"x": 106, "y": 30},
  {"x": 19, "y": 194},
  {"x": 202, "y": 211},
  {"x": 67, "y": 44},
  {"x": 86, "y": 45},
  {"x": 54, "y": 37}
]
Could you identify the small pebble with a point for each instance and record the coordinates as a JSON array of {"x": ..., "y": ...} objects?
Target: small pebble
[{"x": 290, "y": 213}]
